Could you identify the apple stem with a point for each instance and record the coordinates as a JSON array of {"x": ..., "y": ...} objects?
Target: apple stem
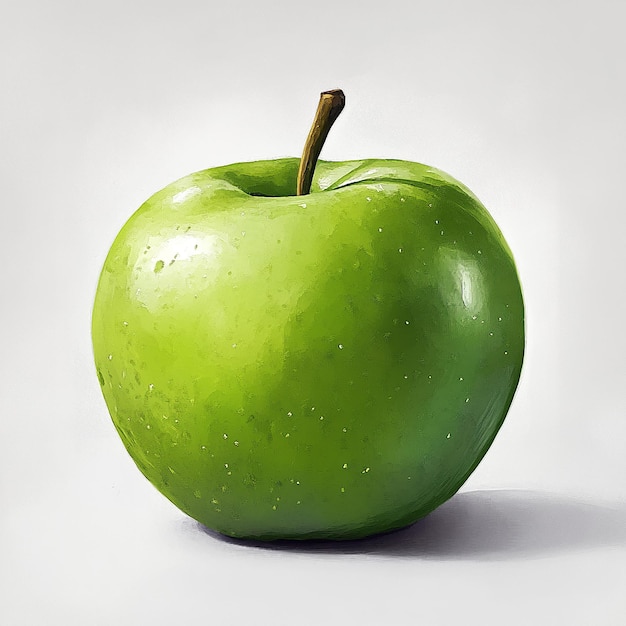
[{"x": 330, "y": 106}]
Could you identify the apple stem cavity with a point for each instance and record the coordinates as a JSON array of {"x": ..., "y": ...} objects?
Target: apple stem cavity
[{"x": 330, "y": 106}]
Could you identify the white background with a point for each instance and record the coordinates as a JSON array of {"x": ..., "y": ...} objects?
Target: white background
[{"x": 104, "y": 103}]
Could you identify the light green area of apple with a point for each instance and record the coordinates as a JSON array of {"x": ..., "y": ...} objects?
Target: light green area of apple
[{"x": 323, "y": 366}]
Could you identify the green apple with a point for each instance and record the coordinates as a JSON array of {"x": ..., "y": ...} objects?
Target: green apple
[{"x": 326, "y": 365}]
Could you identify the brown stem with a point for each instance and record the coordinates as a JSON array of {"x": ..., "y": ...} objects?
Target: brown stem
[{"x": 330, "y": 106}]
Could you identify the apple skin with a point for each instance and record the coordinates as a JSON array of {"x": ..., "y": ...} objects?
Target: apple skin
[{"x": 333, "y": 365}]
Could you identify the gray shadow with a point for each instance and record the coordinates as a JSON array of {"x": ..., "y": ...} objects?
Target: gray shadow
[{"x": 483, "y": 525}]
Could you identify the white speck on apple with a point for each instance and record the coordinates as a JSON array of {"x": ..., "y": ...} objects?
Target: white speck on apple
[{"x": 186, "y": 194}]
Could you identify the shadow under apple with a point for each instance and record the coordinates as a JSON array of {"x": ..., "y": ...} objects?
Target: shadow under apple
[{"x": 483, "y": 525}]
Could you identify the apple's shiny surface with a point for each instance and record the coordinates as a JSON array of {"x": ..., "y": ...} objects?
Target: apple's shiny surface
[{"x": 330, "y": 365}]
